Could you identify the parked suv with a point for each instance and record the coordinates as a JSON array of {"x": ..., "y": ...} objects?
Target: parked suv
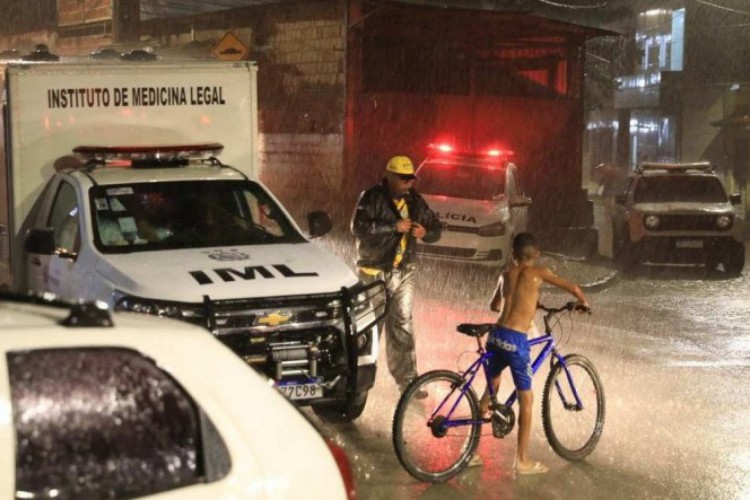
[
  {"x": 479, "y": 201},
  {"x": 678, "y": 213},
  {"x": 94, "y": 405}
]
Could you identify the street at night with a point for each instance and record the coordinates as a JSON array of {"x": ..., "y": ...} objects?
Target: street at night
[
  {"x": 672, "y": 350},
  {"x": 285, "y": 249}
]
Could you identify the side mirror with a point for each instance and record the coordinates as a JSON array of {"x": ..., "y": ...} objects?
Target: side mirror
[
  {"x": 735, "y": 199},
  {"x": 520, "y": 201},
  {"x": 621, "y": 199},
  {"x": 319, "y": 223},
  {"x": 40, "y": 241}
]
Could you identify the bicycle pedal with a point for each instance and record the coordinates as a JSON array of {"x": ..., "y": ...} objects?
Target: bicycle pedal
[{"x": 503, "y": 420}]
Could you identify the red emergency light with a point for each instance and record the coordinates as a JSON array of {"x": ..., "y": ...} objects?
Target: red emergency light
[{"x": 490, "y": 153}]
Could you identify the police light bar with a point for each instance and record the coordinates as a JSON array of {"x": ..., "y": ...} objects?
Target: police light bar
[
  {"x": 491, "y": 153},
  {"x": 164, "y": 151},
  {"x": 702, "y": 166}
]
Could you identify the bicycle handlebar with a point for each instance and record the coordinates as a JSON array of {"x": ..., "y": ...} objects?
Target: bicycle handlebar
[{"x": 569, "y": 306}]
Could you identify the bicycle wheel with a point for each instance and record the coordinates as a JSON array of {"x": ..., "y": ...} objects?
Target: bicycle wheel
[
  {"x": 573, "y": 432},
  {"x": 428, "y": 451}
]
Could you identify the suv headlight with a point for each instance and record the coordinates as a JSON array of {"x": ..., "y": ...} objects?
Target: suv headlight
[
  {"x": 176, "y": 310},
  {"x": 651, "y": 221},
  {"x": 724, "y": 221},
  {"x": 494, "y": 229}
]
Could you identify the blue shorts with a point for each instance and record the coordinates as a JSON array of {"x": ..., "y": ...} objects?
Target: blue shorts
[{"x": 510, "y": 348}]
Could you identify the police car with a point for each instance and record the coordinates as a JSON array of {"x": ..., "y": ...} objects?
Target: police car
[
  {"x": 171, "y": 231},
  {"x": 678, "y": 213},
  {"x": 123, "y": 405},
  {"x": 479, "y": 201}
]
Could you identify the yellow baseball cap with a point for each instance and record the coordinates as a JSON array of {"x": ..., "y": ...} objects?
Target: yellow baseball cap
[{"x": 402, "y": 166}]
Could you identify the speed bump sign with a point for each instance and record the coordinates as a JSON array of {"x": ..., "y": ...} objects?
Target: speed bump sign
[{"x": 230, "y": 48}]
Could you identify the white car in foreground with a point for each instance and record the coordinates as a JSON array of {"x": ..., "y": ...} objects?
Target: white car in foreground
[
  {"x": 94, "y": 405},
  {"x": 479, "y": 202}
]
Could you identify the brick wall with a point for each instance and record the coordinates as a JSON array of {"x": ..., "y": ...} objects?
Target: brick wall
[
  {"x": 303, "y": 171},
  {"x": 299, "y": 49}
]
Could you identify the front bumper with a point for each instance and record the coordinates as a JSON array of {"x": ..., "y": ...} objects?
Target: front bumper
[
  {"x": 684, "y": 249},
  {"x": 466, "y": 247},
  {"x": 336, "y": 346},
  {"x": 328, "y": 340}
]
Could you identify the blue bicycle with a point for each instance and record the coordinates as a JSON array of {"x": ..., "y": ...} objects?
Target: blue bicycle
[{"x": 435, "y": 437}]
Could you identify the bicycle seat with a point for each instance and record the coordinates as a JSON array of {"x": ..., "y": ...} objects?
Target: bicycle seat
[{"x": 475, "y": 330}]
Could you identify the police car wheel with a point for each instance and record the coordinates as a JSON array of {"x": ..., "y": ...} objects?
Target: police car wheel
[{"x": 344, "y": 412}]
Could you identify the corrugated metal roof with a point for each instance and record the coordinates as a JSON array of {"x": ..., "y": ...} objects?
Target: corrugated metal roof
[
  {"x": 578, "y": 12},
  {"x": 159, "y": 9}
]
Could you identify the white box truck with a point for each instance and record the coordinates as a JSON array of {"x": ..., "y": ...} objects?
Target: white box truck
[{"x": 135, "y": 183}]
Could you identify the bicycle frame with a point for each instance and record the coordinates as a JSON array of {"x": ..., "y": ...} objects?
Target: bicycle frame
[{"x": 548, "y": 348}]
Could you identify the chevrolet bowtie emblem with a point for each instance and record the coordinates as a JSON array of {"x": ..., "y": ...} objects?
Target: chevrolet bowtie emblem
[{"x": 273, "y": 319}]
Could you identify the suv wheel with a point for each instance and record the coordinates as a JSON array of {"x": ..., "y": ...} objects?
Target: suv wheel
[
  {"x": 345, "y": 412},
  {"x": 734, "y": 260}
]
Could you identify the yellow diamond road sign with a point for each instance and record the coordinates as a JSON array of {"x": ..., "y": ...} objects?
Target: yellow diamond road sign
[{"x": 230, "y": 48}]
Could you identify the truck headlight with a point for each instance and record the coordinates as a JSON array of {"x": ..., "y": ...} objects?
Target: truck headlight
[
  {"x": 176, "y": 310},
  {"x": 651, "y": 221},
  {"x": 724, "y": 221},
  {"x": 494, "y": 229}
]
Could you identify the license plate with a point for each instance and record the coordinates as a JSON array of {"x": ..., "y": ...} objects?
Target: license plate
[
  {"x": 301, "y": 390},
  {"x": 689, "y": 244}
]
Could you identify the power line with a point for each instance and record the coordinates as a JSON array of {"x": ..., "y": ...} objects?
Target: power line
[
  {"x": 711, "y": 4},
  {"x": 573, "y": 7}
]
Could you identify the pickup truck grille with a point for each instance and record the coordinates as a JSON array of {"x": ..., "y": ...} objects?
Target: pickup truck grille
[
  {"x": 687, "y": 222},
  {"x": 247, "y": 319}
]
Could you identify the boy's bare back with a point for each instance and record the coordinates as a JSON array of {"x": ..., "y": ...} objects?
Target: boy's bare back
[{"x": 521, "y": 294}]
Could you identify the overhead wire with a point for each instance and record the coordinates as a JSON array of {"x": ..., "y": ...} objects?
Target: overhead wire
[
  {"x": 722, "y": 7},
  {"x": 573, "y": 7}
]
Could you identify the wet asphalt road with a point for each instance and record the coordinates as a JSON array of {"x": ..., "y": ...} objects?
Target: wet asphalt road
[{"x": 672, "y": 347}]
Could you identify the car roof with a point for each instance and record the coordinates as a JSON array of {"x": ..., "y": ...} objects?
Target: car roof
[
  {"x": 657, "y": 168},
  {"x": 26, "y": 324},
  {"x": 469, "y": 161},
  {"x": 109, "y": 175}
]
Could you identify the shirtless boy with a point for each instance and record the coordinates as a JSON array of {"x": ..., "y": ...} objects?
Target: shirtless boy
[{"x": 519, "y": 291}]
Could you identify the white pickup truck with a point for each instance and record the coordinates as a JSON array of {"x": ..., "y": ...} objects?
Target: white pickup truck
[{"x": 131, "y": 204}]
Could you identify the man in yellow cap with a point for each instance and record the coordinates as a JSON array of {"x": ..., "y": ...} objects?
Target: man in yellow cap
[{"x": 388, "y": 220}]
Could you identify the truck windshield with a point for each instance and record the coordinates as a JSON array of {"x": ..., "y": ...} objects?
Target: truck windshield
[
  {"x": 186, "y": 214},
  {"x": 671, "y": 188},
  {"x": 461, "y": 181}
]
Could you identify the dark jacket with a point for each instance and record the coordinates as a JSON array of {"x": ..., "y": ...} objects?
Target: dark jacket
[{"x": 374, "y": 225}]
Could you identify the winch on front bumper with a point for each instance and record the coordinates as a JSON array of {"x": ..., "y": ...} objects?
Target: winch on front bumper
[{"x": 320, "y": 349}]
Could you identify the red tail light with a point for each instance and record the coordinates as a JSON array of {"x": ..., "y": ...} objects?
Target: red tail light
[{"x": 345, "y": 468}]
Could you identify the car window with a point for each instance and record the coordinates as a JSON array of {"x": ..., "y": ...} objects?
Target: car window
[
  {"x": 672, "y": 188},
  {"x": 189, "y": 214},
  {"x": 105, "y": 423},
  {"x": 64, "y": 218},
  {"x": 461, "y": 181}
]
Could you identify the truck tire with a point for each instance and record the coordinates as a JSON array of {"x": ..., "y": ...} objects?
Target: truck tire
[
  {"x": 734, "y": 260},
  {"x": 344, "y": 412}
]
